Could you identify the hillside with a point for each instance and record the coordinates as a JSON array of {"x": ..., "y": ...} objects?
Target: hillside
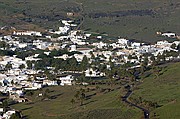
[
  {"x": 164, "y": 90},
  {"x": 103, "y": 105},
  {"x": 134, "y": 19}
]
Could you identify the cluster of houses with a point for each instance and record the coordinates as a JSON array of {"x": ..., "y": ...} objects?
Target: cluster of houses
[
  {"x": 7, "y": 114},
  {"x": 17, "y": 78},
  {"x": 68, "y": 24}
]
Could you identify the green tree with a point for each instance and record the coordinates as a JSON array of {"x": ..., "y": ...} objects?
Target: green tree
[
  {"x": 110, "y": 75},
  {"x": 173, "y": 46},
  {"x": 144, "y": 65},
  {"x": 3, "y": 45},
  {"x": 47, "y": 90},
  {"x": 84, "y": 63},
  {"x": 22, "y": 66},
  {"x": 5, "y": 105},
  {"x": 46, "y": 96},
  {"x": 29, "y": 93},
  {"x": 178, "y": 47},
  {"x": 80, "y": 96},
  {"x": 92, "y": 55},
  {"x": 156, "y": 71},
  {"x": 73, "y": 102},
  {"x": 29, "y": 64},
  {"x": 8, "y": 66},
  {"x": 81, "y": 79},
  {"x": 90, "y": 73},
  {"x": 72, "y": 62},
  {"x": 152, "y": 58}
]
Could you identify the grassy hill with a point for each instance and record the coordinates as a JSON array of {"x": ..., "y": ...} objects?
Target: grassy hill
[
  {"x": 101, "y": 105},
  {"x": 35, "y": 14},
  {"x": 135, "y": 19},
  {"x": 104, "y": 104},
  {"x": 164, "y": 90}
]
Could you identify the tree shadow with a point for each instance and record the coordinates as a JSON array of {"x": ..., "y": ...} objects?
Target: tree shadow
[
  {"x": 55, "y": 96},
  {"x": 89, "y": 102},
  {"x": 89, "y": 96},
  {"x": 29, "y": 103},
  {"x": 25, "y": 117},
  {"x": 26, "y": 108}
]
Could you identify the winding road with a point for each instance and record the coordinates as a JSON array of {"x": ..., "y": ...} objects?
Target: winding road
[{"x": 124, "y": 99}]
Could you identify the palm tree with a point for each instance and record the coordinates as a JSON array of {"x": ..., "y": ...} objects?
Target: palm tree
[
  {"x": 5, "y": 105},
  {"x": 156, "y": 71},
  {"x": 72, "y": 102},
  {"x": 22, "y": 66},
  {"x": 77, "y": 95},
  {"x": 8, "y": 66},
  {"x": 90, "y": 73}
]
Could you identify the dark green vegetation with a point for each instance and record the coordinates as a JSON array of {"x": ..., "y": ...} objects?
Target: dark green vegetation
[
  {"x": 159, "y": 92},
  {"x": 67, "y": 103},
  {"x": 135, "y": 19},
  {"x": 35, "y": 14}
]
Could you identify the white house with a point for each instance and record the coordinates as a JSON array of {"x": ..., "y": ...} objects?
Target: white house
[
  {"x": 123, "y": 41},
  {"x": 169, "y": 35},
  {"x": 135, "y": 45},
  {"x": 87, "y": 35},
  {"x": 79, "y": 57},
  {"x": 99, "y": 37},
  {"x": 73, "y": 48},
  {"x": 28, "y": 33},
  {"x": 22, "y": 45},
  {"x": 34, "y": 86},
  {"x": 63, "y": 30},
  {"x": 64, "y": 56},
  {"x": 1, "y": 110},
  {"x": 100, "y": 44},
  {"x": 49, "y": 83},
  {"x": 68, "y": 80},
  {"x": 41, "y": 45},
  {"x": 84, "y": 50},
  {"x": 91, "y": 73},
  {"x": 8, "y": 114},
  {"x": 32, "y": 58}
]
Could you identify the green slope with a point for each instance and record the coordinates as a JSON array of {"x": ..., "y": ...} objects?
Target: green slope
[
  {"x": 133, "y": 24},
  {"x": 102, "y": 105},
  {"x": 165, "y": 91}
]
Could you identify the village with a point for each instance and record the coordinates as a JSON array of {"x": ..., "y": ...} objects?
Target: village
[{"x": 21, "y": 73}]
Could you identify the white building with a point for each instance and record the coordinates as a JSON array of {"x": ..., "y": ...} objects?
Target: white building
[
  {"x": 123, "y": 41},
  {"x": 79, "y": 57},
  {"x": 41, "y": 45},
  {"x": 91, "y": 73},
  {"x": 68, "y": 80},
  {"x": 28, "y": 33},
  {"x": 8, "y": 114},
  {"x": 64, "y": 29},
  {"x": 100, "y": 44},
  {"x": 169, "y": 35},
  {"x": 84, "y": 51},
  {"x": 135, "y": 45},
  {"x": 73, "y": 48},
  {"x": 49, "y": 83}
]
